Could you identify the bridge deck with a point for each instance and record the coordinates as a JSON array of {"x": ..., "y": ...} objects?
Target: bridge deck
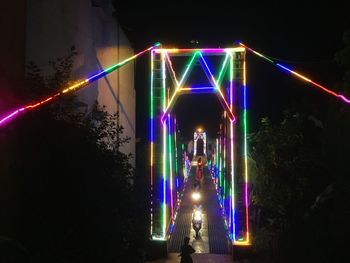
[{"x": 214, "y": 237}]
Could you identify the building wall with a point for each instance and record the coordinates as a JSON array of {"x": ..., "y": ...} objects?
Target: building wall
[
  {"x": 53, "y": 26},
  {"x": 12, "y": 53}
]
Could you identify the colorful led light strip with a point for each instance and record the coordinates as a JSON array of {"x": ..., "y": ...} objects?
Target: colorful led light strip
[
  {"x": 245, "y": 156},
  {"x": 185, "y": 75},
  {"x": 220, "y": 165},
  {"x": 189, "y": 66},
  {"x": 178, "y": 83},
  {"x": 232, "y": 224},
  {"x": 225, "y": 144},
  {"x": 205, "y": 144},
  {"x": 170, "y": 65},
  {"x": 205, "y": 50},
  {"x": 74, "y": 87},
  {"x": 300, "y": 76},
  {"x": 170, "y": 167},
  {"x": 199, "y": 89},
  {"x": 195, "y": 144},
  {"x": 151, "y": 142},
  {"x": 223, "y": 100},
  {"x": 176, "y": 156},
  {"x": 245, "y": 151},
  {"x": 224, "y": 170},
  {"x": 220, "y": 76},
  {"x": 164, "y": 149}
]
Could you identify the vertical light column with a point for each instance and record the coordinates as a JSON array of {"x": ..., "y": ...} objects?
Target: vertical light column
[
  {"x": 224, "y": 176},
  {"x": 170, "y": 166},
  {"x": 164, "y": 148},
  {"x": 245, "y": 150},
  {"x": 217, "y": 162},
  {"x": 184, "y": 167},
  {"x": 152, "y": 139},
  {"x": 176, "y": 157},
  {"x": 232, "y": 210},
  {"x": 220, "y": 163},
  {"x": 195, "y": 144}
]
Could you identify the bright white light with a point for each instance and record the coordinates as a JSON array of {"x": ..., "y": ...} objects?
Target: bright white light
[
  {"x": 197, "y": 215},
  {"x": 196, "y": 196}
]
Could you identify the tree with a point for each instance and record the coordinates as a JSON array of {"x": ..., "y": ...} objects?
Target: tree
[
  {"x": 66, "y": 189},
  {"x": 300, "y": 183},
  {"x": 337, "y": 141},
  {"x": 288, "y": 173}
]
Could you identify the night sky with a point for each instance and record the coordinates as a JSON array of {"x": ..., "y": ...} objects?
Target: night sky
[{"x": 304, "y": 37}]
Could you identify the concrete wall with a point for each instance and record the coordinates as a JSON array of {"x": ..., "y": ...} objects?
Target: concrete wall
[{"x": 53, "y": 26}]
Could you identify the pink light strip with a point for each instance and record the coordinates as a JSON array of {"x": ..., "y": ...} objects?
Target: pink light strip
[
  {"x": 177, "y": 50},
  {"x": 27, "y": 107}
]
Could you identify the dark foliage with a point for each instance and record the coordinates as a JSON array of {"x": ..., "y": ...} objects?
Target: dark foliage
[
  {"x": 66, "y": 191},
  {"x": 300, "y": 184}
]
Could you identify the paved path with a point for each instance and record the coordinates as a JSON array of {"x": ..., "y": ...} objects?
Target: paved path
[
  {"x": 213, "y": 235},
  {"x": 197, "y": 258}
]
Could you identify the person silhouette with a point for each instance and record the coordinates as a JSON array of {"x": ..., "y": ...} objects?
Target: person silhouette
[{"x": 186, "y": 251}]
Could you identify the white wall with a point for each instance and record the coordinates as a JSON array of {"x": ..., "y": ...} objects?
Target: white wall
[{"x": 53, "y": 26}]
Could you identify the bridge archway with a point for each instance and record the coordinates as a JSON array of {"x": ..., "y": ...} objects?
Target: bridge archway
[
  {"x": 227, "y": 80},
  {"x": 199, "y": 148}
]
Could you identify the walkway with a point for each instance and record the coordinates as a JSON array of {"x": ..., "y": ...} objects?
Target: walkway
[
  {"x": 197, "y": 258},
  {"x": 214, "y": 238}
]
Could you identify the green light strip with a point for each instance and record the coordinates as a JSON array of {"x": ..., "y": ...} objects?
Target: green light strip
[
  {"x": 220, "y": 77},
  {"x": 189, "y": 66}
]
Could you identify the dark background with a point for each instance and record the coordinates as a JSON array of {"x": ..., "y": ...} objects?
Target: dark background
[{"x": 303, "y": 36}]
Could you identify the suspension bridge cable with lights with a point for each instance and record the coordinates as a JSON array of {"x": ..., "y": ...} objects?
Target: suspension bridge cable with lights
[
  {"x": 86, "y": 82},
  {"x": 300, "y": 76},
  {"x": 78, "y": 85}
]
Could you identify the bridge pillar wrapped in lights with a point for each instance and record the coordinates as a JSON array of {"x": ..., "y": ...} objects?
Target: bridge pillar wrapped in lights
[{"x": 172, "y": 76}]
